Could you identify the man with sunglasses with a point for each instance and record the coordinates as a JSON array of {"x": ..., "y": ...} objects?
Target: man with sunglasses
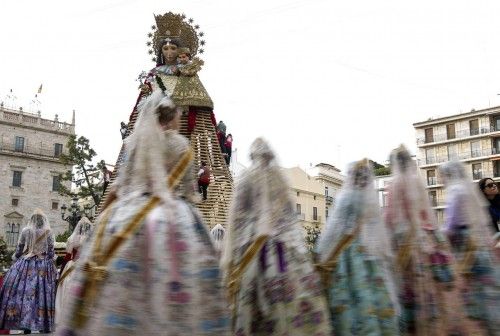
[{"x": 490, "y": 191}]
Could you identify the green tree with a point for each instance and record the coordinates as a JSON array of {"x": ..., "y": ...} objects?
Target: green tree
[
  {"x": 5, "y": 255},
  {"x": 380, "y": 170},
  {"x": 63, "y": 237},
  {"x": 85, "y": 175},
  {"x": 312, "y": 235}
]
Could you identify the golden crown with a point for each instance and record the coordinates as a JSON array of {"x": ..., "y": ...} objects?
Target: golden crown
[{"x": 175, "y": 26}]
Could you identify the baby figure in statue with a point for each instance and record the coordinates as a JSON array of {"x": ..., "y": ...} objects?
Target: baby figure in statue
[
  {"x": 186, "y": 65},
  {"x": 183, "y": 57}
]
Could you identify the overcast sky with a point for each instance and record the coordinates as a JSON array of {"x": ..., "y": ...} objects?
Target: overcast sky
[{"x": 324, "y": 81}]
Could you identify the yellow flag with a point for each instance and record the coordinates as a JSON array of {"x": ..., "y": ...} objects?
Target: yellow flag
[{"x": 40, "y": 88}]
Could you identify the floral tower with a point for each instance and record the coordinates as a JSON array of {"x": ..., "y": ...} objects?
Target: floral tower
[{"x": 174, "y": 44}]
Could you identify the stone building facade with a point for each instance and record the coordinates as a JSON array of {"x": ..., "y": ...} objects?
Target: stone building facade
[
  {"x": 331, "y": 179},
  {"x": 30, "y": 147},
  {"x": 472, "y": 138},
  {"x": 309, "y": 197}
]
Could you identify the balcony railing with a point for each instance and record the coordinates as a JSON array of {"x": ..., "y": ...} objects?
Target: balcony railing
[
  {"x": 38, "y": 150},
  {"x": 458, "y": 156},
  {"x": 27, "y": 118},
  {"x": 431, "y": 181},
  {"x": 435, "y": 203},
  {"x": 458, "y": 135},
  {"x": 317, "y": 219}
]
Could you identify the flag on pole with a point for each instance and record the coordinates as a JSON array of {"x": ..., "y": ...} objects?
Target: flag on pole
[{"x": 40, "y": 88}]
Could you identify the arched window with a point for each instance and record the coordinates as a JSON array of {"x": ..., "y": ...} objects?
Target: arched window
[{"x": 12, "y": 234}]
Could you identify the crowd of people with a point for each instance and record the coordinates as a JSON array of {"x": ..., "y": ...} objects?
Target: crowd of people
[{"x": 152, "y": 267}]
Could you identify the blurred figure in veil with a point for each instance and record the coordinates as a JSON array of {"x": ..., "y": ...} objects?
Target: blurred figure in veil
[
  {"x": 469, "y": 230},
  {"x": 354, "y": 258},
  {"x": 427, "y": 283},
  {"x": 273, "y": 288},
  {"x": 74, "y": 245}
]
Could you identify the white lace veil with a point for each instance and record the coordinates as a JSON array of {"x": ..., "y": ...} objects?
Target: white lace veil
[
  {"x": 409, "y": 204},
  {"x": 37, "y": 226},
  {"x": 472, "y": 207},
  {"x": 144, "y": 169},
  {"x": 407, "y": 179},
  {"x": 218, "y": 233},
  {"x": 357, "y": 204},
  {"x": 261, "y": 203},
  {"x": 81, "y": 232}
]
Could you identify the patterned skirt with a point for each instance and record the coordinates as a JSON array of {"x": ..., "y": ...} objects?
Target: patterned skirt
[
  {"x": 360, "y": 301},
  {"x": 481, "y": 292},
  {"x": 27, "y": 297},
  {"x": 164, "y": 279}
]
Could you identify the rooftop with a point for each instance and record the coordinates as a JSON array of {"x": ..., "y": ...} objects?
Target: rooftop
[
  {"x": 32, "y": 120},
  {"x": 328, "y": 166},
  {"x": 459, "y": 116}
]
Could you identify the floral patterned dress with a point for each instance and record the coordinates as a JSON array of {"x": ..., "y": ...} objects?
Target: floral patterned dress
[
  {"x": 27, "y": 297},
  {"x": 279, "y": 292},
  {"x": 429, "y": 288},
  {"x": 359, "y": 299},
  {"x": 163, "y": 280},
  {"x": 478, "y": 270}
]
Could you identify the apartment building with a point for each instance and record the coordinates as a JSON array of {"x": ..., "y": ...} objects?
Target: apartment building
[{"x": 472, "y": 138}]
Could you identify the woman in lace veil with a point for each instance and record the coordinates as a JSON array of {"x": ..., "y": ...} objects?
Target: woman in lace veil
[
  {"x": 27, "y": 297},
  {"x": 427, "y": 285},
  {"x": 273, "y": 288},
  {"x": 468, "y": 228},
  {"x": 354, "y": 260},
  {"x": 150, "y": 267},
  {"x": 81, "y": 233}
]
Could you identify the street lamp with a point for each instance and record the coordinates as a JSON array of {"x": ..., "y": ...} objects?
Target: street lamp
[{"x": 74, "y": 215}]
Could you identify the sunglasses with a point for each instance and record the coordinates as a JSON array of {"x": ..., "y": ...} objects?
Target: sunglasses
[{"x": 491, "y": 185}]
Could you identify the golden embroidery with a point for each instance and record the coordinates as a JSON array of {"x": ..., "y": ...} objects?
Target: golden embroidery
[
  {"x": 468, "y": 260},
  {"x": 237, "y": 271},
  {"x": 180, "y": 169},
  {"x": 187, "y": 90},
  {"x": 404, "y": 252},
  {"x": 326, "y": 268}
]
